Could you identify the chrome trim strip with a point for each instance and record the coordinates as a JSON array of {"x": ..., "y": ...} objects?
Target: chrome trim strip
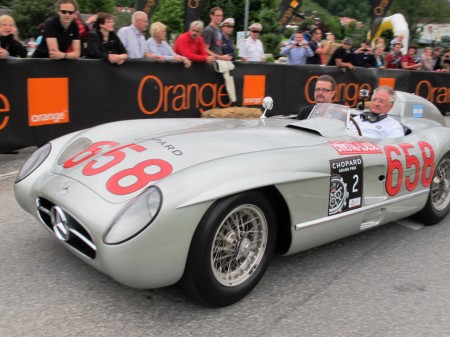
[
  {"x": 83, "y": 238},
  {"x": 359, "y": 210},
  {"x": 44, "y": 210}
]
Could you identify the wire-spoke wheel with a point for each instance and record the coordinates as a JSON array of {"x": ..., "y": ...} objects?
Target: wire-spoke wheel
[
  {"x": 231, "y": 249},
  {"x": 438, "y": 204},
  {"x": 440, "y": 187},
  {"x": 239, "y": 245}
]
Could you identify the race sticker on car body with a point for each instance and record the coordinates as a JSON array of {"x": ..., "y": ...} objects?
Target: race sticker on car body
[
  {"x": 102, "y": 158},
  {"x": 409, "y": 166},
  {"x": 346, "y": 183},
  {"x": 344, "y": 148}
]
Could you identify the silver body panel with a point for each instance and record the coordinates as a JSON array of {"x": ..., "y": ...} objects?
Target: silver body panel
[{"x": 214, "y": 158}]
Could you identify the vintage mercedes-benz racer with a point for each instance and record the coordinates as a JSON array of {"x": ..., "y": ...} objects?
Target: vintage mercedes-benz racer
[{"x": 207, "y": 202}]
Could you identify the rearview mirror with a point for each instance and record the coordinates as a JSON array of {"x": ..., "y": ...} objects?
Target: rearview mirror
[{"x": 267, "y": 104}]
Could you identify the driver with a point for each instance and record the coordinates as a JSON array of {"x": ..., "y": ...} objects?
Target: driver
[
  {"x": 376, "y": 123},
  {"x": 323, "y": 93}
]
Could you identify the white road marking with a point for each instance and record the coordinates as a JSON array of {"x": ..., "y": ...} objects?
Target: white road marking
[{"x": 9, "y": 174}]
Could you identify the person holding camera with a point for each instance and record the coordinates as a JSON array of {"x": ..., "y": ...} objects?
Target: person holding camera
[
  {"x": 364, "y": 56},
  {"x": 319, "y": 47},
  {"x": 297, "y": 50},
  {"x": 343, "y": 56}
]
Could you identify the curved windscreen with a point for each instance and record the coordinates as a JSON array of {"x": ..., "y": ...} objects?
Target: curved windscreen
[{"x": 330, "y": 110}]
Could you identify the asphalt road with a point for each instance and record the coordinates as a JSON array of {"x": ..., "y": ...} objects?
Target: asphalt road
[{"x": 388, "y": 281}]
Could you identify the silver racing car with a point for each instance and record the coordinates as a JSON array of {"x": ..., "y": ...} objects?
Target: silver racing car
[{"x": 207, "y": 202}]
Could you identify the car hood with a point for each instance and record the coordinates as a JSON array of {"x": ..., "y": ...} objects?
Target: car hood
[{"x": 149, "y": 150}]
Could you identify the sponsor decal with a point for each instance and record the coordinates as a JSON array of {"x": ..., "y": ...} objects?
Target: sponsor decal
[
  {"x": 379, "y": 9},
  {"x": 390, "y": 82},
  {"x": 346, "y": 183},
  {"x": 254, "y": 89},
  {"x": 433, "y": 94},
  {"x": 169, "y": 147},
  {"x": 154, "y": 96},
  {"x": 4, "y": 107},
  {"x": 287, "y": 10},
  {"x": 147, "y": 6},
  {"x": 344, "y": 148},
  {"x": 192, "y": 11},
  {"x": 48, "y": 101}
]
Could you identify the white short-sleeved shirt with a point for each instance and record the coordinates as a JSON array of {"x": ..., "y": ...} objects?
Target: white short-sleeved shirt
[
  {"x": 252, "y": 49},
  {"x": 388, "y": 127}
]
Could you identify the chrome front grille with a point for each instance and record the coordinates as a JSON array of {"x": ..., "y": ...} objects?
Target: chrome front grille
[{"x": 65, "y": 227}]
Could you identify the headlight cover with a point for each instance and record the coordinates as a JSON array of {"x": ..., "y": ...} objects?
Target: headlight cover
[
  {"x": 73, "y": 149},
  {"x": 35, "y": 160},
  {"x": 135, "y": 217}
]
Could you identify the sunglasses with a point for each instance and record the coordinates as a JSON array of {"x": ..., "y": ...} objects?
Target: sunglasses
[
  {"x": 256, "y": 31},
  {"x": 66, "y": 12}
]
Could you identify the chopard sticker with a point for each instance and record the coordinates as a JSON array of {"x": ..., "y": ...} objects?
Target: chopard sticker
[{"x": 346, "y": 183}]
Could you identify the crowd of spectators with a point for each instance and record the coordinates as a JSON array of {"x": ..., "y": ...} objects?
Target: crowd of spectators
[
  {"x": 67, "y": 36},
  {"x": 345, "y": 56}
]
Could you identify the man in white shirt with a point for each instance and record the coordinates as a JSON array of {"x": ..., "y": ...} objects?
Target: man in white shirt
[
  {"x": 376, "y": 123},
  {"x": 251, "y": 49}
]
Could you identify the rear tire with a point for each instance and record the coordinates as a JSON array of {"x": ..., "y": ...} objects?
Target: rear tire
[
  {"x": 438, "y": 203},
  {"x": 231, "y": 249}
]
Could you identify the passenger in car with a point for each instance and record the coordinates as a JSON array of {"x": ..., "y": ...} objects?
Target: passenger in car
[
  {"x": 376, "y": 123},
  {"x": 323, "y": 93}
]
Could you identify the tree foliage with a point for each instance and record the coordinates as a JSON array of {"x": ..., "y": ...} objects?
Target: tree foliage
[
  {"x": 126, "y": 3},
  {"x": 96, "y": 6},
  {"x": 272, "y": 36},
  {"x": 6, "y": 3},
  {"x": 28, "y": 14},
  {"x": 350, "y": 8},
  {"x": 171, "y": 13}
]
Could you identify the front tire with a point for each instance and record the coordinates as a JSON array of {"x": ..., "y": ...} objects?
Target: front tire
[
  {"x": 231, "y": 249},
  {"x": 438, "y": 203}
]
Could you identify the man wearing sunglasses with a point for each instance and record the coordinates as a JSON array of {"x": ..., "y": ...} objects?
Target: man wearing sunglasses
[
  {"x": 61, "y": 39},
  {"x": 251, "y": 48},
  {"x": 323, "y": 93}
]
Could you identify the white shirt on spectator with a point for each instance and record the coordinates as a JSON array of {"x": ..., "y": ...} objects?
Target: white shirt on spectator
[{"x": 252, "y": 49}]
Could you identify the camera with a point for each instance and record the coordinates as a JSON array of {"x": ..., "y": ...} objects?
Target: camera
[
  {"x": 364, "y": 96},
  {"x": 364, "y": 93},
  {"x": 365, "y": 50}
]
